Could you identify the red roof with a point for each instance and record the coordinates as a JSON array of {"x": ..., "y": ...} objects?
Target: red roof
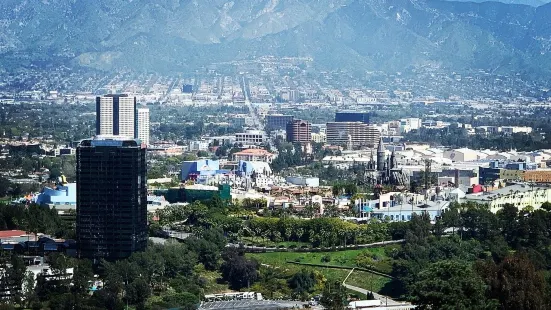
[{"x": 11, "y": 233}]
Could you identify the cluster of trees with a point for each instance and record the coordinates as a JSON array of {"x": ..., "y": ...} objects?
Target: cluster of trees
[
  {"x": 289, "y": 155},
  {"x": 320, "y": 232},
  {"x": 57, "y": 166},
  {"x": 180, "y": 123},
  {"x": 35, "y": 219},
  {"x": 346, "y": 188},
  {"x": 492, "y": 261},
  {"x": 454, "y": 136},
  {"x": 163, "y": 276},
  {"x": 64, "y": 123}
]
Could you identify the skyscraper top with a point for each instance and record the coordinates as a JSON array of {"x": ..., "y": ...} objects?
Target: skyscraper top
[
  {"x": 116, "y": 95},
  {"x": 110, "y": 140}
]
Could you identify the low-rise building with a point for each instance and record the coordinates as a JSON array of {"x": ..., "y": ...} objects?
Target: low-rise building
[
  {"x": 519, "y": 195},
  {"x": 62, "y": 196},
  {"x": 250, "y": 137},
  {"x": 254, "y": 155},
  {"x": 194, "y": 169},
  {"x": 303, "y": 181}
]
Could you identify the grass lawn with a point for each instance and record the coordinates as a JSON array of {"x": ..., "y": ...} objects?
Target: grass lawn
[
  {"x": 347, "y": 258},
  {"x": 339, "y": 258}
]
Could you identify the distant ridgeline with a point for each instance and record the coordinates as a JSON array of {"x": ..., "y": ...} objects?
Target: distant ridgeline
[{"x": 343, "y": 34}]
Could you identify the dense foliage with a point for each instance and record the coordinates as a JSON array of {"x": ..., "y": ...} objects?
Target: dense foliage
[{"x": 491, "y": 261}]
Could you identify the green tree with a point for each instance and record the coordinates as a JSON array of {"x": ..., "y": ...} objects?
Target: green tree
[
  {"x": 302, "y": 282},
  {"x": 334, "y": 296},
  {"x": 450, "y": 285},
  {"x": 516, "y": 283},
  {"x": 237, "y": 270}
]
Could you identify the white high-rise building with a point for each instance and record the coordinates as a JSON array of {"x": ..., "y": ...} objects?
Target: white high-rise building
[
  {"x": 116, "y": 115},
  {"x": 143, "y": 125}
]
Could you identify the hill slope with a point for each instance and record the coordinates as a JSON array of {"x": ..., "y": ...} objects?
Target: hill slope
[{"x": 175, "y": 35}]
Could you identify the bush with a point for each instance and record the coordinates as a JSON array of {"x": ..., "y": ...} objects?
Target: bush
[{"x": 326, "y": 258}]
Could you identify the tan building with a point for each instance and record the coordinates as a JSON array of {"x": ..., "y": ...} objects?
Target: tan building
[
  {"x": 538, "y": 176},
  {"x": 356, "y": 134},
  {"x": 254, "y": 155},
  {"x": 319, "y": 137},
  {"x": 511, "y": 175}
]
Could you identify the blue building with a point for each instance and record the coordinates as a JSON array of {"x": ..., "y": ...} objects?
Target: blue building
[
  {"x": 197, "y": 169},
  {"x": 247, "y": 168},
  {"x": 61, "y": 195}
]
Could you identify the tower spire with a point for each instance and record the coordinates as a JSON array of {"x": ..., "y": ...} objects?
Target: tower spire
[{"x": 380, "y": 155}]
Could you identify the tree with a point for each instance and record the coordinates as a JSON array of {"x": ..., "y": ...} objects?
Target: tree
[
  {"x": 545, "y": 206},
  {"x": 138, "y": 292},
  {"x": 208, "y": 252},
  {"x": 419, "y": 228},
  {"x": 334, "y": 296},
  {"x": 302, "y": 282},
  {"x": 29, "y": 295},
  {"x": 450, "y": 285},
  {"x": 237, "y": 270},
  {"x": 451, "y": 217},
  {"x": 5, "y": 186},
  {"x": 515, "y": 283}
]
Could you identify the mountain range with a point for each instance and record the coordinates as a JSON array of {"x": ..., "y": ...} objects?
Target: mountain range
[{"x": 179, "y": 35}]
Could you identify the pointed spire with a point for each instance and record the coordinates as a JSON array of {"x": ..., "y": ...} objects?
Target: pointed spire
[{"x": 380, "y": 148}]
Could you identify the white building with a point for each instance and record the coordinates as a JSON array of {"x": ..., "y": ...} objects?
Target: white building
[
  {"x": 250, "y": 137},
  {"x": 143, "y": 125},
  {"x": 116, "y": 115},
  {"x": 520, "y": 195},
  {"x": 462, "y": 154},
  {"x": 319, "y": 137},
  {"x": 198, "y": 146}
]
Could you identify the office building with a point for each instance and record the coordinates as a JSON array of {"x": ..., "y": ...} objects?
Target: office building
[
  {"x": 250, "y": 137},
  {"x": 143, "y": 125},
  {"x": 299, "y": 131},
  {"x": 352, "y": 134},
  {"x": 351, "y": 116},
  {"x": 278, "y": 121},
  {"x": 116, "y": 115},
  {"x": 111, "y": 197}
]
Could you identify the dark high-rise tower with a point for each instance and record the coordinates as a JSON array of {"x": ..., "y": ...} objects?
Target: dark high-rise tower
[{"x": 111, "y": 197}]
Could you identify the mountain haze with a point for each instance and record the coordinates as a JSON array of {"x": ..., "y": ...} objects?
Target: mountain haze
[{"x": 177, "y": 35}]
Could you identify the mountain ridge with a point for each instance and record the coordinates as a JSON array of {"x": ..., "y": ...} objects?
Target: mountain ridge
[{"x": 173, "y": 35}]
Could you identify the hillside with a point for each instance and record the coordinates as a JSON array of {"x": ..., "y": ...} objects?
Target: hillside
[{"x": 172, "y": 35}]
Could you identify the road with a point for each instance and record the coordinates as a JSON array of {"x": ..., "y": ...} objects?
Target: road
[{"x": 257, "y": 124}]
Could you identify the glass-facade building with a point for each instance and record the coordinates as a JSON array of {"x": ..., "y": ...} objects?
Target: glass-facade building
[
  {"x": 347, "y": 116},
  {"x": 111, "y": 197}
]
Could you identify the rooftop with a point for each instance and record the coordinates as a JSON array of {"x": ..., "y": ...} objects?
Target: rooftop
[
  {"x": 257, "y": 152},
  {"x": 11, "y": 233},
  {"x": 513, "y": 189}
]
